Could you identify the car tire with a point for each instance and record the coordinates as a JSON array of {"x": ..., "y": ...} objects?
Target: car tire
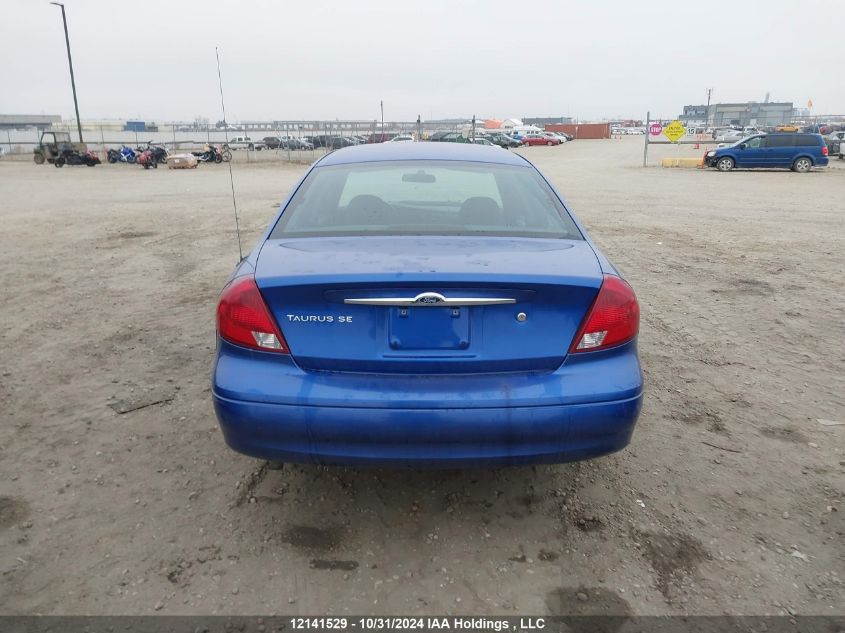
[
  {"x": 59, "y": 162},
  {"x": 549, "y": 143},
  {"x": 726, "y": 163},
  {"x": 39, "y": 159},
  {"x": 802, "y": 165}
]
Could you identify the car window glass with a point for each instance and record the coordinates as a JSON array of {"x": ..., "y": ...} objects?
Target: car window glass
[
  {"x": 390, "y": 185},
  {"x": 753, "y": 143},
  {"x": 781, "y": 140},
  {"x": 425, "y": 198}
]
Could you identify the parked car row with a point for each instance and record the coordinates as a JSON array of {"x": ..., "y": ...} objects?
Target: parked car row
[
  {"x": 499, "y": 139},
  {"x": 516, "y": 139},
  {"x": 735, "y": 132},
  {"x": 287, "y": 142},
  {"x": 482, "y": 137},
  {"x": 617, "y": 131}
]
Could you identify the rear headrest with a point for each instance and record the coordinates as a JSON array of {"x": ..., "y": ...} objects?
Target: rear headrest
[
  {"x": 481, "y": 210},
  {"x": 368, "y": 209}
]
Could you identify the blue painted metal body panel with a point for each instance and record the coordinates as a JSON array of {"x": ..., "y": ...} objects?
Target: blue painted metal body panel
[
  {"x": 270, "y": 408},
  {"x": 553, "y": 281},
  {"x": 484, "y": 390},
  {"x": 253, "y": 376}
]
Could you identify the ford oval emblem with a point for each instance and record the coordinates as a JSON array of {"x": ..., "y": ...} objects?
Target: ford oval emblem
[{"x": 429, "y": 298}]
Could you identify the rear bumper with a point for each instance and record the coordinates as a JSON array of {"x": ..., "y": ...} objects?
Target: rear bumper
[
  {"x": 426, "y": 438},
  {"x": 271, "y": 409}
]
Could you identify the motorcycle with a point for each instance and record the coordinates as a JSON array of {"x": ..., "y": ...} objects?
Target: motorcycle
[
  {"x": 158, "y": 153},
  {"x": 210, "y": 154},
  {"x": 123, "y": 155},
  {"x": 74, "y": 157},
  {"x": 147, "y": 159}
]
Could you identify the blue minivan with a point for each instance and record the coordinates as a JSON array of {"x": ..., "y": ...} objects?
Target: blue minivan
[{"x": 796, "y": 151}]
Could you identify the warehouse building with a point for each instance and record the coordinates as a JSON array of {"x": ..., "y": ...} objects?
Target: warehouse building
[
  {"x": 751, "y": 113},
  {"x": 547, "y": 120},
  {"x": 24, "y": 121}
]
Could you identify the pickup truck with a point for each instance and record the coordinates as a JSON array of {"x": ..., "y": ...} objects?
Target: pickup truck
[{"x": 244, "y": 142}]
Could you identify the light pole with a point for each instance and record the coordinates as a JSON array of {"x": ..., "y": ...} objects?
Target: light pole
[{"x": 70, "y": 65}]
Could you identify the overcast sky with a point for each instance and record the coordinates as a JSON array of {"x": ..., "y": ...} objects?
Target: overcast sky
[{"x": 328, "y": 59}]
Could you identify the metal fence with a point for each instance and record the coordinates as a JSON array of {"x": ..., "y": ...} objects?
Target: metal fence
[{"x": 187, "y": 137}]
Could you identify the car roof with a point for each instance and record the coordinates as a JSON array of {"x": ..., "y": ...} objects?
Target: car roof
[{"x": 469, "y": 152}]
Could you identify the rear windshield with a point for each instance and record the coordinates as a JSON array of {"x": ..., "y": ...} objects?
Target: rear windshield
[{"x": 426, "y": 197}]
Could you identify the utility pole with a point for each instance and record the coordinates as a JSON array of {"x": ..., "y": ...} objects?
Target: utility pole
[
  {"x": 707, "y": 112},
  {"x": 473, "y": 129},
  {"x": 70, "y": 64},
  {"x": 381, "y": 103},
  {"x": 419, "y": 128}
]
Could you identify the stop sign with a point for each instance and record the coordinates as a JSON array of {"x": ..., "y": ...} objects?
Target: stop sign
[{"x": 655, "y": 129}]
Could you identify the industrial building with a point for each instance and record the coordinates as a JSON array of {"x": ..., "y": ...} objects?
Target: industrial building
[
  {"x": 751, "y": 113},
  {"x": 25, "y": 121},
  {"x": 547, "y": 120}
]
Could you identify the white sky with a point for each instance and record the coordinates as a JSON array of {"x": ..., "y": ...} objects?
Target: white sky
[{"x": 327, "y": 59}]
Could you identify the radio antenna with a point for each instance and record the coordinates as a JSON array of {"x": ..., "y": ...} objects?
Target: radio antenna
[{"x": 226, "y": 136}]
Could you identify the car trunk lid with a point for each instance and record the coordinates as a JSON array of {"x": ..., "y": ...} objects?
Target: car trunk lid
[{"x": 428, "y": 305}]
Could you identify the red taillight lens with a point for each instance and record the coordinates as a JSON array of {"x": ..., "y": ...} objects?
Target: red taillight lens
[
  {"x": 824, "y": 150},
  {"x": 613, "y": 319},
  {"x": 243, "y": 318}
]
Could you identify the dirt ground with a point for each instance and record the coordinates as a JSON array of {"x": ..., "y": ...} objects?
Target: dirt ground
[{"x": 728, "y": 500}]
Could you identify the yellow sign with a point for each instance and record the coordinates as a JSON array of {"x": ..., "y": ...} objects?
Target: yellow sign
[{"x": 674, "y": 131}]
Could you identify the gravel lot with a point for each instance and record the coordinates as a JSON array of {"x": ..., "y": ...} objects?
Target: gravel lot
[{"x": 729, "y": 499}]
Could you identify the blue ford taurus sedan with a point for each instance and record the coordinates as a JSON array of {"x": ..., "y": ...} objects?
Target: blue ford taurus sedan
[{"x": 426, "y": 305}]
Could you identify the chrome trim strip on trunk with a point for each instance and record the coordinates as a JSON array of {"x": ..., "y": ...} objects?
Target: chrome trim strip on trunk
[{"x": 430, "y": 300}]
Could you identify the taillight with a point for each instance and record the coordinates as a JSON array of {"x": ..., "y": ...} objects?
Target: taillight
[
  {"x": 824, "y": 150},
  {"x": 613, "y": 319},
  {"x": 243, "y": 318}
]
